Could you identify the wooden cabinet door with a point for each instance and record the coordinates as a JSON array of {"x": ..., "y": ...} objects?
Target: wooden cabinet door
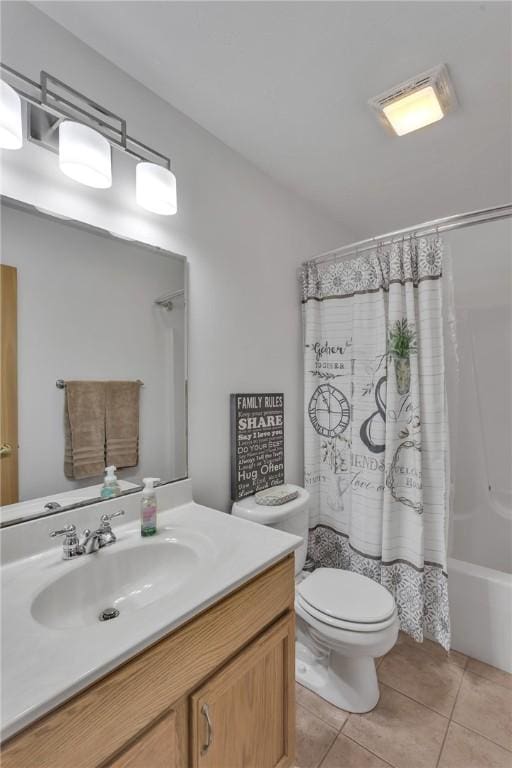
[
  {"x": 244, "y": 716},
  {"x": 8, "y": 386},
  {"x": 163, "y": 745}
]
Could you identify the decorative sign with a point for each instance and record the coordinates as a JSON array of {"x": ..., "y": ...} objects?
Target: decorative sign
[{"x": 257, "y": 443}]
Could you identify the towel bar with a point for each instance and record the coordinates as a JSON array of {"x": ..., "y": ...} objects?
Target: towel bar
[{"x": 61, "y": 384}]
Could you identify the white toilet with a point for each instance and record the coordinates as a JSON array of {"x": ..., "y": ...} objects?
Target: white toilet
[{"x": 344, "y": 620}]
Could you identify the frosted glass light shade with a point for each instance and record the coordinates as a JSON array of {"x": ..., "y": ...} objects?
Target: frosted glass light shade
[
  {"x": 156, "y": 189},
  {"x": 11, "y": 134},
  {"x": 84, "y": 155},
  {"x": 414, "y": 111}
]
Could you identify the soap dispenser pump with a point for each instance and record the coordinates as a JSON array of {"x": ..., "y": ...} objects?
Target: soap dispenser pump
[
  {"x": 110, "y": 487},
  {"x": 148, "y": 507}
]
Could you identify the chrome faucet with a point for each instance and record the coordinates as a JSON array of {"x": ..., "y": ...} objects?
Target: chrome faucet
[{"x": 92, "y": 541}]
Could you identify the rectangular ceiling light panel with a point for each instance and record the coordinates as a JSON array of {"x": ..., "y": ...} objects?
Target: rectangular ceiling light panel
[{"x": 418, "y": 102}]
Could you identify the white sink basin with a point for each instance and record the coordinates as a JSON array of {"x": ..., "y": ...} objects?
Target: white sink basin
[{"x": 125, "y": 579}]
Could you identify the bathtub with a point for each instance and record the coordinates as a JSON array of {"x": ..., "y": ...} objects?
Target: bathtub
[
  {"x": 478, "y": 373},
  {"x": 481, "y": 612},
  {"x": 480, "y": 574}
]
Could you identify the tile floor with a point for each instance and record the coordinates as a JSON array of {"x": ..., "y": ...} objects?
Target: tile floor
[{"x": 436, "y": 710}]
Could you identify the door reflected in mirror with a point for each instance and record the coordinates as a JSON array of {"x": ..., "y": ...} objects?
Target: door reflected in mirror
[{"x": 93, "y": 348}]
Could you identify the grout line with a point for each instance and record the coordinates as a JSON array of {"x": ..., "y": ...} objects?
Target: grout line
[
  {"x": 421, "y": 646},
  {"x": 386, "y": 762},
  {"x": 442, "y": 744},
  {"x": 486, "y": 738},
  {"x": 482, "y": 735},
  {"x": 494, "y": 682},
  {"x": 316, "y": 714},
  {"x": 436, "y": 656},
  {"x": 411, "y": 698},
  {"x": 319, "y": 765},
  {"x": 429, "y": 709},
  {"x": 457, "y": 694}
]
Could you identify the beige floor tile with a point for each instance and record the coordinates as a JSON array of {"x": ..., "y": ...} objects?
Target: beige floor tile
[
  {"x": 399, "y": 731},
  {"x": 431, "y": 679},
  {"x": 434, "y": 649},
  {"x": 323, "y": 709},
  {"x": 466, "y": 749},
  {"x": 345, "y": 753},
  {"x": 485, "y": 707},
  {"x": 313, "y": 739},
  {"x": 490, "y": 673}
]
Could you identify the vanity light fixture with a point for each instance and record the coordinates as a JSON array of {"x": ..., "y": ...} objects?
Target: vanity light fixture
[
  {"x": 11, "y": 134},
  {"x": 84, "y": 155},
  {"x": 156, "y": 189},
  {"x": 83, "y": 134},
  {"x": 416, "y": 103}
]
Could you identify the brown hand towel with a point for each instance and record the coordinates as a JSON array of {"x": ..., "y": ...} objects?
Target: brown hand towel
[
  {"x": 84, "y": 426},
  {"x": 122, "y": 423}
]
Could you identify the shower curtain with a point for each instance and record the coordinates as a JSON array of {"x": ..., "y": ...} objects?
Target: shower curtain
[{"x": 376, "y": 425}]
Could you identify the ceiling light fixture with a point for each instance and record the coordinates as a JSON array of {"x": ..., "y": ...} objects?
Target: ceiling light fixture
[
  {"x": 84, "y": 155},
  {"x": 11, "y": 134},
  {"x": 83, "y": 134},
  {"x": 417, "y": 102}
]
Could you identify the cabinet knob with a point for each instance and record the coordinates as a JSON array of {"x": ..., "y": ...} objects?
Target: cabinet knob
[
  {"x": 209, "y": 730},
  {"x": 5, "y": 449}
]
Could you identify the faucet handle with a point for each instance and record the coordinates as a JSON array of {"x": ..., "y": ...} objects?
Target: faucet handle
[
  {"x": 68, "y": 531},
  {"x": 106, "y": 518},
  {"x": 71, "y": 546},
  {"x": 105, "y": 529}
]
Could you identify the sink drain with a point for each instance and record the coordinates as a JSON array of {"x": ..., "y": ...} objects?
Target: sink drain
[{"x": 109, "y": 613}]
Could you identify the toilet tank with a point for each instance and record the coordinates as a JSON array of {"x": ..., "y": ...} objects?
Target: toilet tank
[{"x": 292, "y": 517}]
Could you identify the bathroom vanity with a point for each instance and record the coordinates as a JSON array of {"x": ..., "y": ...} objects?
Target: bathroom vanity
[{"x": 197, "y": 670}]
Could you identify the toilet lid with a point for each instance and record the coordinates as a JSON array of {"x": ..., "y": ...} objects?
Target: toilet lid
[{"x": 347, "y": 596}]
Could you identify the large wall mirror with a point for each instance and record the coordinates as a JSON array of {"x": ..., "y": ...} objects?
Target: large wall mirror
[{"x": 93, "y": 363}]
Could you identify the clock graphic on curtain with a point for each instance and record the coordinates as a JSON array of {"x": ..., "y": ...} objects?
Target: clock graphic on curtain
[{"x": 329, "y": 411}]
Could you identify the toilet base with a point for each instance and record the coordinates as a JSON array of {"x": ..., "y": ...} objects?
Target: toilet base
[{"x": 350, "y": 683}]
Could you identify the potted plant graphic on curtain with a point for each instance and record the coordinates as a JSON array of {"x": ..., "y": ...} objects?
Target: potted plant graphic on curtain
[{"x": 401, "y": 344}]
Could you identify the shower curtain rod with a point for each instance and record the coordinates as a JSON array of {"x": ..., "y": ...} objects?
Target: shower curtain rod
[{"x": 427, "y": 227}]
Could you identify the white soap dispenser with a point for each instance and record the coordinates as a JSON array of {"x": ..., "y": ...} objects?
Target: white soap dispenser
[
  {"x": 148, "y": 507},
  {"x": 110, "y": 487}
]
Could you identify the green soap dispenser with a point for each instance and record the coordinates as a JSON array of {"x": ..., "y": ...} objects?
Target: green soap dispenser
[
  {"x": 110, "y": 487},
  {"x": 148, "y": 507}
]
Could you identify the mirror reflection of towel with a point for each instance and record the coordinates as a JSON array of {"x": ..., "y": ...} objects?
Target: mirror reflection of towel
[
  {"x": 122, "y": 423},
  {"x": 84, "y": 427}
]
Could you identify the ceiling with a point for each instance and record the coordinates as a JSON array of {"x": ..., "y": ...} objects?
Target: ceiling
[{"x": 286, "y": 84}]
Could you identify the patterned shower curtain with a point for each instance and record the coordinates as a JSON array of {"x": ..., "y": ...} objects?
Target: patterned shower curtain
[{"x": 376, "y": 425}]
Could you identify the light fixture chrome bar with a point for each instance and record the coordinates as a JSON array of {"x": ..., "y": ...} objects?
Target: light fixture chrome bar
[
  {"x": 46, "y": 93},
  {"x": 444, "y": 224},
  {"x": 41, "y": 99}
]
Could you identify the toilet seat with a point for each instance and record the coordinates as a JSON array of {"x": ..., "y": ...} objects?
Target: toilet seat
[
  {"x": 346, "y": 600},
  {"x": 352, "y": 626}
]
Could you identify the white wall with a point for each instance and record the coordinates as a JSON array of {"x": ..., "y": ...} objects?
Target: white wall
[
  {"x": 86, "y": 311},
  {"x": 243, "y": 235},
  {"x": 481, "y": 409}
]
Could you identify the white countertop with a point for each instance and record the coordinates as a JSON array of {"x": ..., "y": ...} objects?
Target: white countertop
[{"x": 44, "y": 666}]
